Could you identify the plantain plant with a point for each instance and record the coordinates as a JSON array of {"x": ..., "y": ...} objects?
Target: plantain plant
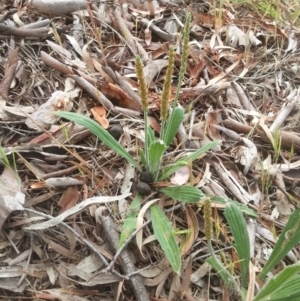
[
  {"x": 151, "y": 156},
  {"x": 284, "y": 285}
]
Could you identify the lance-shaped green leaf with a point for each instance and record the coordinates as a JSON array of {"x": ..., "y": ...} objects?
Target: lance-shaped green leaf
[
  {"x": 101, "y": 133},
  {"x": 156, "y": 151},
  {"x": 150, "y": 134},
  {"x": 289, "y": 237},
  {"x": 175, "y": 119},
  {"x": 224, "y": 201},
  {"x": 130, "y": 219},
  {"x": 283, "y": 287},
  {"x": 168, "y": 171},
  {"x": 163, "y": 231},
  {"x": 149, "y": 139},
  {"x": 238, "y": 227},
  {"x": 184, "y": 194}
]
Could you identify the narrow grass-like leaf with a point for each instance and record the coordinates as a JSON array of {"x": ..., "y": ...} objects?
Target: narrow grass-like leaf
[
  {"x": 143, "y": 158},
  {"x": 186, "y": 160},
  {"x": 150, "y": 134},
  {"x": 101, "y": 133},
  {"x": 171, "y": 169},
  {"x": 149, "y": 138},
  {"x": 284, "y": 286},
  {"x": 3, "y": 158},
  {"x": 156, "y": 151},
  {"x": 238, "y": 227},
  {"x": 163, "y": 231},
  {"x": 289, "y": 237},
  {"x": 222, "y": 272},
  {"x": 244, "y": 208},
  {"x": 175, "y": 119},
  {"x": 5, "y": 162},
  {"x": 184, "y": 194},
  {"x": 130, "y": 219}
]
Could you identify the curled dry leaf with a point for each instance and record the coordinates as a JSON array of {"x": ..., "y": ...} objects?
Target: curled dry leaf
[
  {"x": 154, "y": 124},
  {"x": 102, "y": 72},
  {"x": 69, "y": 198},
  {"x": 74, "y": 210},
  {"x": 139, "y": 223},
  {"x": 11, "y": 197},
  {"x": 237, "y": 37},
  {"x": 87, "y": 58},
  {"x": 120, "y": 98},
  {"x": 193, "y": 226},
  {"x": 181, "y": 176},
  {"x": 195, "y": 72},
  {"x": 12, "y": 284},
  {"x": 10, "y": 68},
  {"x": 152, "y": 69},
  {"x": 99, "y": 114},
  {"x": 45, "y": 116},
  {"x": 204, "y": 18},
  {"x": 15, "y": 113},
  {"x": 75, "y": 45},
  {"x": 213, "y": 119},
  {"x": 148, "y": 37},
  {"x": 59, "y": 49},
  {"x": 246, "y": 155},
  {"x": 158, "y": 279}
]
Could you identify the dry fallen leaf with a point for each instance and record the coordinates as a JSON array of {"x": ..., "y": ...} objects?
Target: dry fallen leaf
[
  {"x": 119, "y": 97},
  {"x": 10, "y": 68},
  {"x": 69, "y": 198},
  {"x": 45, "y": 116},
  {"x": 139, "y": 223},
  {"x": 152, "y": 69},
  {"x": 99, "y": 114},
  {"x": 181, "y": 176},
  {"x": 193, "y": 225},
  {"x": 11, "y": 197}
]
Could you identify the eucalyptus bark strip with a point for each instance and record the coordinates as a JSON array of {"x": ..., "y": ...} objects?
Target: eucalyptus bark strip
[{"x": 24, "y": 33}]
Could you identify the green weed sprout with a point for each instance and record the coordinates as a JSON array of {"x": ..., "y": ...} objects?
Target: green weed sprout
[
  {"x": 151, "y": 156},
  {"x": 4, "y": 161},
  {"x": 276, "y": 144},
  {"x": 213, "y": 260},
  {"x": 285, "y": 285}
]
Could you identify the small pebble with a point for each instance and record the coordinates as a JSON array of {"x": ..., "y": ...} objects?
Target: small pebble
[
  {"x": 116, "y": 131},
  {"x": 143, "y": 188}
]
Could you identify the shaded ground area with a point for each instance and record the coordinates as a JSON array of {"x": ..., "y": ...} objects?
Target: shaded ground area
[{"x": 241, "y": 87}]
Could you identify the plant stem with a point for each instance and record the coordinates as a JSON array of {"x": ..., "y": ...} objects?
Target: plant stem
[
  {"x": 231, "y": 278},
  {"x": 184, "y": 57},
  {"x": 146, "y": 148}
]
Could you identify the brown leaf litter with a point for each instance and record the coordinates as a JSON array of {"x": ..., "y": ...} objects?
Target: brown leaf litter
[{"x": 241, "y": 86}]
